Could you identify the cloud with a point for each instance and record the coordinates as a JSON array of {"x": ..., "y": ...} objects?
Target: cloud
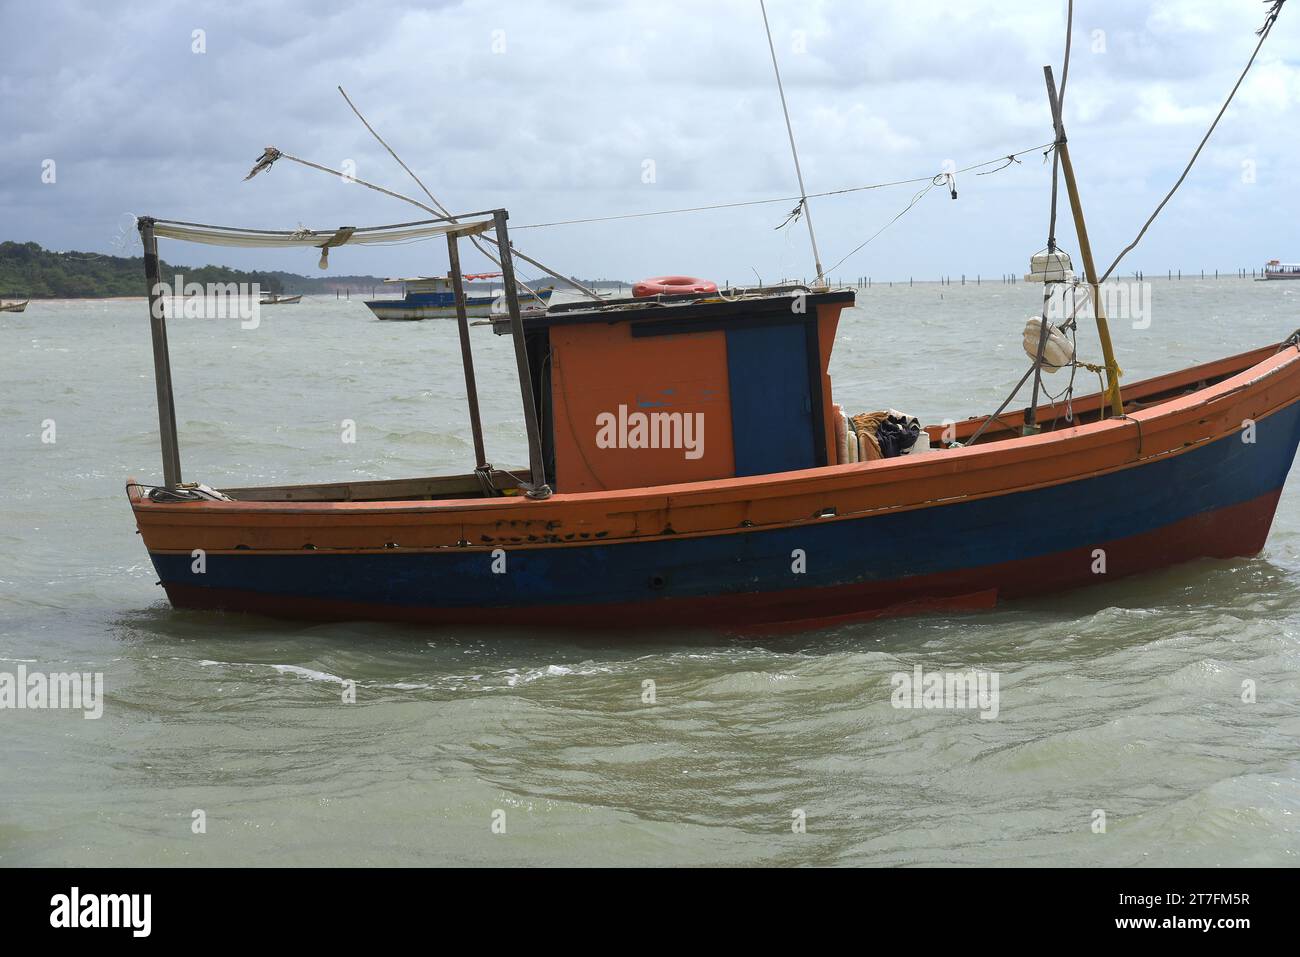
[{"x": 553, "y": 109}]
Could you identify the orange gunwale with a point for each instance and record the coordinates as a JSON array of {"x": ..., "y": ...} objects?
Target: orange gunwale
[{"x": 1268, "y": 380}]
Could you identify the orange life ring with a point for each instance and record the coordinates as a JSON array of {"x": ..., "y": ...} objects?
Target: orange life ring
[{"x": 672, "y": 286}]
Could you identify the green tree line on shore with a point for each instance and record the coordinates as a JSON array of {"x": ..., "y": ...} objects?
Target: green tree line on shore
[{"x": 28, "y": 271}]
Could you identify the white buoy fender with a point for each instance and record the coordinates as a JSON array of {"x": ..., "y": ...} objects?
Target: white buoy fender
[
  {"x": 841, "y": 436},
  {"x": 1058, "y": 351}
]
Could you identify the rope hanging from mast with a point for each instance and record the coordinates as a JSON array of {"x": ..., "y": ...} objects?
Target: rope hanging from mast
[
  {"x": 1275, "y": 7},
  {"x": 1031, "y": 422},
  {"x": 1060, "y": 98},
  {"x": 803, "y": 192},
  {"x": 478, "y": 244}
]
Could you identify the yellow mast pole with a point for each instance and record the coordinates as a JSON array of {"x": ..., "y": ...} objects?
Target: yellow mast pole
[{"x": 1085, "y": 250}]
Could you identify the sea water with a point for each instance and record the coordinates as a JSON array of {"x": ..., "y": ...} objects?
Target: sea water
[{"x": 1149, "y": 721}]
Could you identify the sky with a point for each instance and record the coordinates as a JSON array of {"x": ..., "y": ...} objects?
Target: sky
[{"x": 572, "y": 109}]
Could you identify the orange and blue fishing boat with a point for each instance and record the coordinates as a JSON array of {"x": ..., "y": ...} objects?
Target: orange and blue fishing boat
[
  {"x": 692, "y": 470},
  {"x": 688, "y": 465}
]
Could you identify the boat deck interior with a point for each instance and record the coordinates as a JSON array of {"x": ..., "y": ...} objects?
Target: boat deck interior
[
  {"x": 1051, "y": 416},
  {"x": 1087, "y": 409}
]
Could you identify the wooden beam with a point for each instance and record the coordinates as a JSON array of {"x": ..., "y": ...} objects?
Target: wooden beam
[
  {"x": 536, "y": 463},
  {"x": 466, "y": 354},
  {"x": 1085, "y": 250},
  {"x": 162, "y": 369}
]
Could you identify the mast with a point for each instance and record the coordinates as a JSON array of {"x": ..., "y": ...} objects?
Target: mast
[
  {"x": 1085, "y": 249},
  {"x": 803, "y": 193},
  {"x": 481, "y": 465},
  {"x": 537, "y": 488},
  {"x": 162, "y": 367}
]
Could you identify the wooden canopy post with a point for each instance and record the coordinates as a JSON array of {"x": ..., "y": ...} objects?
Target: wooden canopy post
[
  {"x": 1085, "y": 249},
  {"x": 162, "y": 368},
  {"x": 539, "y": 487},
  {"x": 466, "y": 355}
]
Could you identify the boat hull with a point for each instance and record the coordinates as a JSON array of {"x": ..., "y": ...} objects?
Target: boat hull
[
  {"x": 365, "y": 593},
  {"x": 1197, "y": 477},
  {"x": 399, "y": 309}
]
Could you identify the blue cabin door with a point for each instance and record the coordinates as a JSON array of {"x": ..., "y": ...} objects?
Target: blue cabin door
[{"x": 771, "y": 402}]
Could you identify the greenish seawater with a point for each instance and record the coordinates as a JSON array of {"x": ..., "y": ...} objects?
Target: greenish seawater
[{"x": 1124, "y": 698}]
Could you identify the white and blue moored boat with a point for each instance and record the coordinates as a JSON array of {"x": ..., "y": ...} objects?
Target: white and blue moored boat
[{"x": 432, "y": 297}]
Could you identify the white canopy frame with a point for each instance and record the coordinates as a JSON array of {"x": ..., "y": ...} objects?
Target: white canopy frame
[
  {"x": 343, "y": 236},
  {"x": 453, "y": 227}
]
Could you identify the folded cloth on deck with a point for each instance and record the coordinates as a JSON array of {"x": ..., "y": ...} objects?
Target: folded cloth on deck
[{"x": 885, "y": 435}]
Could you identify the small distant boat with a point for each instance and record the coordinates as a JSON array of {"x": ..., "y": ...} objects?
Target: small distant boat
[
  {"x": 14, "y": 306},
  {"x": 272, "y": 299},
  {"x": 1274, "y": 269},
  {"x": 432, "y": 297}
]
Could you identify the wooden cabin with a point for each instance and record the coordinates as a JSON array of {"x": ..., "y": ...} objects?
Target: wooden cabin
[{"x": 644, "y": 392}]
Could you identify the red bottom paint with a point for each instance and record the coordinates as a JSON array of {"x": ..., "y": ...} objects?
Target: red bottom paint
[{"x": 1230, "y": 532}]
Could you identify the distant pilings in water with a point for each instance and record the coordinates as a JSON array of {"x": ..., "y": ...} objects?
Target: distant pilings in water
[
  {"x": 961, "y": 279},
  {"x": 1174, "y": 275},
  {"x": 866, "y": 282}
]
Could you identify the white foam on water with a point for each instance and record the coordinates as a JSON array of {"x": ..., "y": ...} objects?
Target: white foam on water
[
  {"x": 308, "y": 673},
  {"x": 515, "y": 676}
]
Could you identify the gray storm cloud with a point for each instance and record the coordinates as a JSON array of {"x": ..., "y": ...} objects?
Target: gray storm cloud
[{"x": 553, "y": 109}]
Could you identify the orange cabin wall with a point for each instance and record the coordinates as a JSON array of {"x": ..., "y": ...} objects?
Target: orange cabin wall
[{"x": 595, "y": 368}]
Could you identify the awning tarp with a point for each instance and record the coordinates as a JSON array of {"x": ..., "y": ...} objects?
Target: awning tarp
[{"x": 367, "y": 235}]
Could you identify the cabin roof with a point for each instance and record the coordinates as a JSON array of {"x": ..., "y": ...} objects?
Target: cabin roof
[
  {"x": 341, "y": 236},
  {"x": 691, "y": 307}
]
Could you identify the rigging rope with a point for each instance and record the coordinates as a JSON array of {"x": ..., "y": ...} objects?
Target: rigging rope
[
  {"x": 1275, "y": 8},
  {"x": 475, "y": 241},
  {"x": 803, "y": 192},
  {"x": 780, "y": 199},
  {"x": 1262, "y": 33},
  {"x": 935, "y": 181},
  {"x": 1032, "y": 422},
  {"x": 1010, "y": 159},
  {"x": 1060, "y": 102}
]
